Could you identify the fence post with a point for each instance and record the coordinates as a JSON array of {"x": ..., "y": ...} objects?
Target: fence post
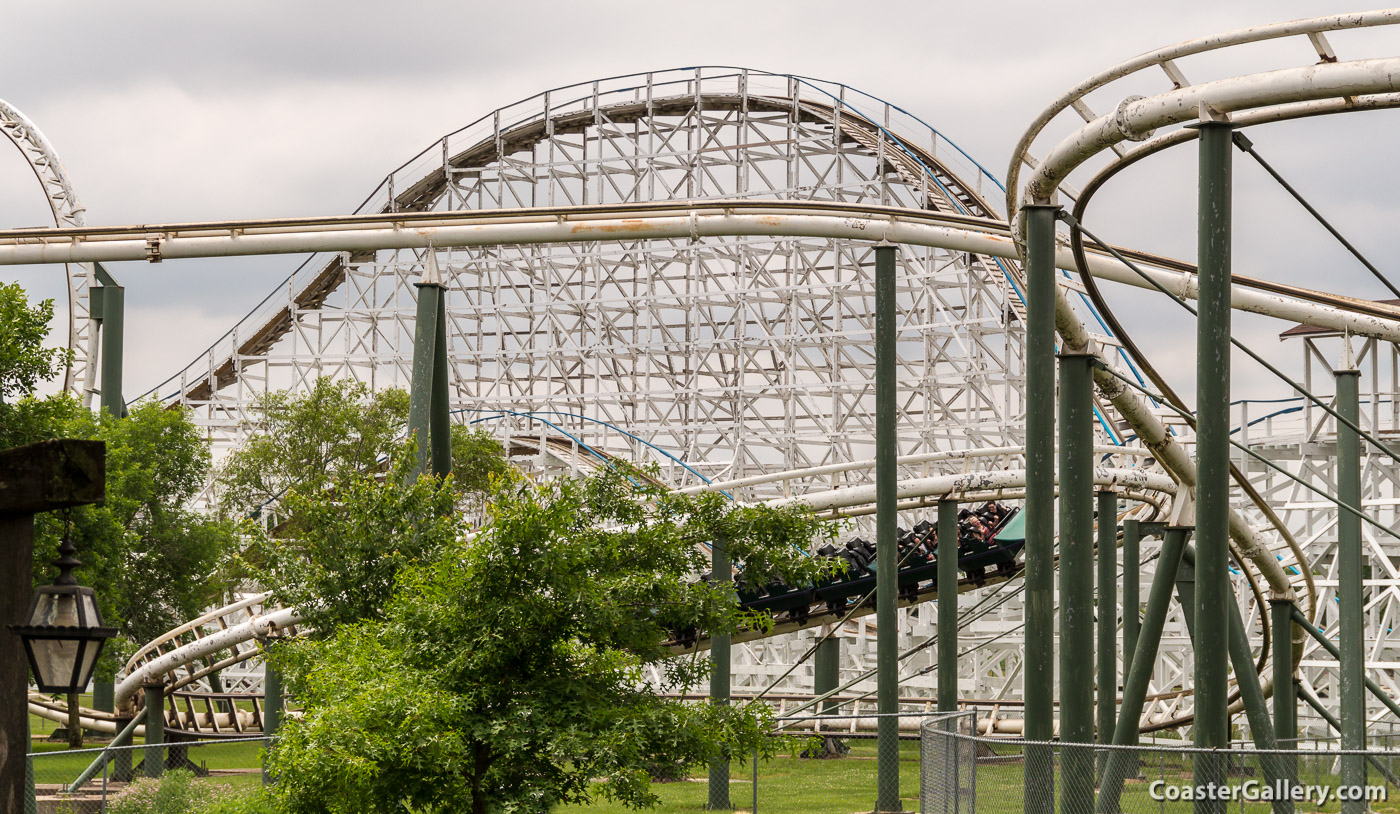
[
  {"x": 31, "y": 805},
  {"x": 755, "y": 782}
]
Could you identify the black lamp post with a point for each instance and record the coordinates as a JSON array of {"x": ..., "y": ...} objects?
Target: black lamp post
[{"x": 64, "y": 634}]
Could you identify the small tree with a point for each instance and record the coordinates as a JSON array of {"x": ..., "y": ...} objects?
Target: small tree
[
  {"x": 338, "y": 429},
  {"x": 311, "y": 440},
  {"x": 24, "y": 362},
  {"x": 148, "y": 556},
  {"x": 509, "y": 671}
]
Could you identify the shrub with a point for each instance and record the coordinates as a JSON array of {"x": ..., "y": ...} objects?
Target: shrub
[
  {"x": 171, "y": 794},
  {"x": 178, "y": 793}
]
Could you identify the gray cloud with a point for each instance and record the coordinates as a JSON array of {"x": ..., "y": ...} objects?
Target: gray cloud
[{"x": 189, "y": 111}]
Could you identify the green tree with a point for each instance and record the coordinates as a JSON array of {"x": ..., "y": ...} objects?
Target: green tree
[
  {"x": 149, "y": 558},
  {"x": 314, "y": 440},
  {"x": 507, "y": 670},
  {"x": 145, "y": 553},
  {"x": 24, "y": 362},
  {"x": 478, "y": 461},
  {"x": 338, "y": 556},
  {"x": 310, "y": 441}
]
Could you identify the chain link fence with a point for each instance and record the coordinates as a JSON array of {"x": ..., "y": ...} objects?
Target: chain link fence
[
  {"x": 87, "y": 781},
  {"x": 963, "y": 772}
]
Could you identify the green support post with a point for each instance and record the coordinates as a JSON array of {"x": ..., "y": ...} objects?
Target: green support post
[
  {"x": 1241, "y": 659},
  {"x": 440, "y": 428},
  {"x": 1159, "y": 596},
  {"x": 1371, "y": 686},
  {"x": 826, "y": 677},
  {"x": 421, "y": 401},
  {"x": 722, "y": 575},
  {"x": 1106, "y": 680},
  {"x": 272, "y": 707},
  {"x": 1332, "y": 721},
  {"x": 948, "y": 607},
  {"x": 886, "y": 531},
  {"x": 1186, "y": 596},
  {"x": 155, "y": 730},
  {"x": 1132, "y": 575},
  {"x": 1256, "y": 707},
  {"x": 1350, "y": 592},
  {"x": 1213, "y": 595},
  {"x": 1285, "y": 699},
  {"x": 1039, "y": 793},
  {"x": 121, "y": 759},
  {"x": 272, "y": 700},
  {"x": 1076, "y": 465},
  {"x": 826, "y": 671},
  {"x": 107, "y": 306}
]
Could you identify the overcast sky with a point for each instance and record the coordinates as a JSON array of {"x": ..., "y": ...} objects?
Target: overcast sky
[{"x": 166, "y": 111}]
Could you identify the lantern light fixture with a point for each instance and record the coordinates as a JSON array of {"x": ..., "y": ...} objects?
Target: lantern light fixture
[{"x": 64, "y": 635}]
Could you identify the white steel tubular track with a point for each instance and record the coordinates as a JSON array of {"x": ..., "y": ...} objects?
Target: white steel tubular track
[
  {"x": 1330, "y": 86},
  {"x": 693, "y": 220}
]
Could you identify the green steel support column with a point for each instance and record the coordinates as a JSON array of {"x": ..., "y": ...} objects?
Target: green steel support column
[
  {"x": 1159, "y": 596},
  {"x": 1186, "y": 594},
  {"x": 440, "y": 429},
  {"x": 425, "y": 344},
  {"x": 1256, "y": 707},
  {"x": 1371, "y": 686},
  {"x": 1213, "y": 595},
  {"x": 886, "y": 529},
  {"x": 1132, "y": 575},
  {"x": 108, "y": 305},
  {"x": 723, "y": 575},
  {"x": 826, "y": 671},
  {"x": 1107, "y": 609},
  {"x": 155, "y": 730},
  {"x": 1285, "y": 700},
  {"x": 272, "y": 700},
  {"x": 948, "y": 608},
  {"x": 121, "y": 759},
  {"x": 1241, "y": 659},
  {"x": 1332, "y": 721},
  {"x": 1351, "y": 630},
  {"x": 272, "y": 706},
  {"x": 1076, "y": 467},
  {"x": 1039, "y": 795}
]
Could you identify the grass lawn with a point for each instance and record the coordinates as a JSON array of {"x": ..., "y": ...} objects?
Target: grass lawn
[{"x": 791, "y": 785}]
